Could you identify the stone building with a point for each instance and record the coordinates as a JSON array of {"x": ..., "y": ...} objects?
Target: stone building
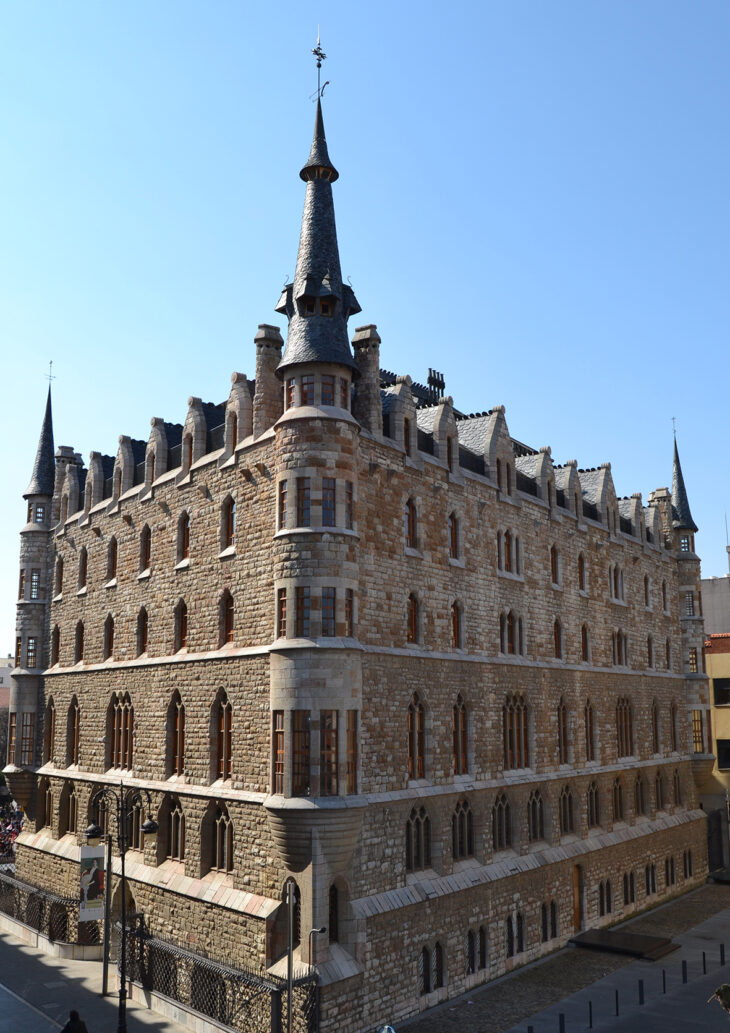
[{"x": 350, "y": 636}]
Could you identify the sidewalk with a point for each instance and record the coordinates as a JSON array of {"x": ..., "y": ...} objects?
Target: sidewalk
[
  {"x": 37, "y": 992},
  {"x": 565, "y": 982}
]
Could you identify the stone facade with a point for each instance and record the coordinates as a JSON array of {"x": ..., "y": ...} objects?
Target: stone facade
[{"x": 346, "y": 634}]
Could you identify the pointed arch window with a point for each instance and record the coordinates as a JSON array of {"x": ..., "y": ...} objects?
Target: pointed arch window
[
  {"x": 411, "y": 525},
  {"x": 593, "y": 812},
  {"x": 176, "y": 831},
  {"x": 112, "y": 556},
  {"x": 501, "y": 823},
  {"x": 181, "y": 626},
  {"x": 655, "y": 737},
  {"x": 647, "y": 592},
  {"x": 515, "y": 733},
  {"x": 659, "y": 795},
  {"x": 558, "y": 639},
  {"x": 108, "y": 637},
  {"x": 223, "y": 719},
  {"x": 508, "y": 558},
  {"x": 121, "y": 732},
  {"x": 677, "y": 788},
  {"x": 471, "y": 952},
  {"x": 639, "y": 796},
  {"x": 562, "y": 716},
  {"x": 535, "y": 817},
  {"x": 581, "y": 572},
  {"x": 418, "y": 840},
  {"x": 461, "y": 739},
  {"x": 453, "y": 536},
  {"x": 176, "y": 736},
  {"x": 462, "y": 831},
  {"x": 55, "y": 645},
  {"x": 223, "y": 860},
  {"x": 554, "y": 565},
  {"x": 618, "y": 800},
  {"x": 142, "y": 631},
  {"x": 183, "y": 537},
  {"x": 228, "y": 524},
  {"x": 79, "y": 643},
  {"x": 226, "y": 618},
  {"x": 412, "y": 626},
  {"x": 83, "y": 567},
  {"x": 73, "y": 733},
  {"x": 624, "y": 727},
  {"x": 456, "y": 630},
  {"x": 59, "y": 575},
  {"x": 585, "y": 644},
  {"x": 416, "y": 737},
  {"x": 145, "y": 548},
  {"x": 333, "y": 913},
  {"x": 673, "y": 711},
  {"x": 567, "y": 825},
  {"x": 49, "y": 738}
]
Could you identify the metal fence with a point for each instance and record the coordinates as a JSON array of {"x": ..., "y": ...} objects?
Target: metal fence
[
  {"x": 241, "y": 999},
  {"x": 54, "y": 916}
]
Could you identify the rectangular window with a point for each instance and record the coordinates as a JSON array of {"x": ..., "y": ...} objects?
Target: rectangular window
[
  {"x": 698, "y": 738},
  {"x": 349, "y": 505},
  {"x": 289, "y": 397},
  {"x": 351, "y": 752},
  {"x": 300, "y": 753},
  {"x": 328, "y": 611},
  {"x": 18, "y": 651},
  {"x": 328, "y": 389},
  {"x": 303, "y": 502},
  {"x": 278, "y": 751},
  {"x": 35, "y": 584},
  {"x": 40, "y": 513},
  {"x": 329, "y": 501},
  {"x": 31, "y": 652},
  {"x": 721, "y": 689},
  {"x": 302, "y": 612},
  {"x": 328, "y": 766},
  {"x": 684, "y": 543},
  {"x": 282, "y": 504},
  {"x": 692, "y": 660},
  {"x": 689, "y": 604},
  {"x": 21, "y": 585},
  {"x": 12, "y": 736},
  {"x": 26, "y": 738},
  {"x": 349, "y": 612},
  {"x": 722, "y": 746},
  {"x": 281, "y": 612},
  {"x": 344, "y": 393},
  {"x": 307, "y": 390}
]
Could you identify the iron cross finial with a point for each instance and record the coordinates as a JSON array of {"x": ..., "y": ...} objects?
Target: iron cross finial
[
  {"x": 321, "y": 56},
  {"x": 49, "y": 374}
]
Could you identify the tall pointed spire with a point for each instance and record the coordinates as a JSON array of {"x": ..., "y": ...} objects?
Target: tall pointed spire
[
  {"x": 317, "y": 304},
  {"x": 44, "y": 468},
  {"x": 681, "y": 515}
]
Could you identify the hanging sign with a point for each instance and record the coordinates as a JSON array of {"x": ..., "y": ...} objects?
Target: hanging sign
[{"x": 91, "y": 880}]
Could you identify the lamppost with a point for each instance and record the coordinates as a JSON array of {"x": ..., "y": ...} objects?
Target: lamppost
[{"x": 123, "y": 801}]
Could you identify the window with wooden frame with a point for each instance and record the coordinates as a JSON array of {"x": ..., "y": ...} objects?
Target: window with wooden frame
[
  {"x": 223, "y": 730},
  {"x": 145, "y": 548},
  {"x": 181, "y": 626},
  {"x": 304, "y": 505},
  {"x": 21, "y": 584},
  {"x": 328, "y": 389},
  {"x": 639, "y": 796},
  {"x": 416, "y": 737},
  {"x": 676, "y": 788},
  {"x": 300, "y": 753},
  {"x": 411, "y": 525},
  {"x": 605, "y": 898},
  {"x": 456, "y": 629},
  {"x": 349, "y": 505},
  {"x": 352, "y": 752},
  {"x": 136, "y": 840},
  {"x": 228, "y": 524},
  {"x": 659, "y": 794},
  {"x": 418, "y": 840},
  {"x": 590, "y": 741},
  {"x": 176, "y": 831},
  {"x": 629, "y": 889},
  {"x": 535, "y": 817},
  {"x": 581, "y": 572},
  {"x": 183, "y": 537},
  {"x": 282, "y": 504},
  {"x": 18, "y": 651},
  {"x": 289, "y": 393},
  {"x": 673, "y": 738},
  {"x": 73, "y": 733},
  {"x": 585, "y": 647},
  {"x": 281, "y": 612},
  {"x": 618, "y": 800},
  {"x": 176, "y": 736},
  {"x": 554, "y": 565},
  {"x": 349, "y": 612},
  {"x": 55, "y": 645},
  {"x": 112, "y": 556},
  {"x": 306, "y": 390},
  {"x": 329, "y": 606},
  {"x": 31, "y": 652},
  {"x": 40, "y": 513},
  {"x": 462, "y": 831},
  {"x": 232, "y": 430},
  {"x": 143, "y": 628},
  {"x": 649, "y": 651},
  {"x": 344, "y": 393},
  {"x": 49, "y": 738},
  {"x": 692, "y": 660},
  {"x": 412, "y": 619},
  {"x": 12, "y": 736},
  {"x": 329, "y": 502},
  {"x": 655, "y": 737},
  {"x": 328, "y": 753},
  {"x": 624, "y": 727},
  {"x": 558, "y": 639},
  {"x": 79, "y": 643},
  {"x": 121, "y": 738},
  {"x": 562, "y": 716},
  {"x": 453, "y": 536},
  {"x": 515, "y": 737},
  {"x": 223, "y": 827},
  {"x": 460, "y": 737},
  {"x": 226, "y": 618},
  {"x": 277, "y": 752},
  {"x": 565, "y": 810},
  {"x": 698, "y": 732},
  {"x": 665, "y": 606},
  {"x": 83, "y": 567},
  {"x": 593, "y": 812},
  {"x": 108, "y": 637},
  {"x": 27, "y": 739},
  {"x": 302, "y": 610},
  {"x": 35, "y": 584},
  {"x": 501, "y": 823},
  {"x": 507, "y": 560}
]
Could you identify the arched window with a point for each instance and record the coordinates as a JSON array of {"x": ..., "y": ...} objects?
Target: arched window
[
  {"x": 145, "y": 548},
  {"x": 566, "y": 811},
  {"x": 411, "y": 525},
  {"x": 629, "y": 889},
  {"x": 228, "y": 524},
  {"x": 668, "y": 654},
  {"x": 673, "y": 727},
  {"x": 108, "y": 637},
  {"x": 181, "y": 626},
  {"x": 45, "y": 802},
  {"x": 183, "y": 537},
  {"x": 49, "y": 737},
  {"x": 508, "y": 552},
  {"x": 455, "y": 625},
  {"x": 412, "y": 627},
  {"x": 175, "y": 830},
  {"x": 223, "y": 860},
  {"x": 624, "y": 727},
  {"x": 59, "y": 575},
  {"x": 112, "y": 554},
  {"x": 460, "y": 737},
  {"x": 605, "y": 901},
  {"x": 520, "y": 922},
  {"x": 142, "y": 632},
  {"x": 639, "y": 796},
  {"x": 73, "y": 729},
  {"x": 581, "y": 572},
  {"x": 453, "y": 536},
  {"x": 120, "y": 731},
  {"x": 677, "y": 788},
  {"x": 585, "y": 645},
  {"x": 647, "y": 592},
  {"x": 659, "y": 791},
  {"x": 554, "y": 565},
  {"x": 535, "y": 817},
  {"x": 665, "y": 605},
  {"x": 438, "y": 967},
  {"x": 544, "y": 924},
  {"x": 593, "y": 812},
  {"x": 515, "y": 733},
  {"x": 297, "y": 900},
  {"x": 501, "y": 823},
  {"x": 79, "y": 643},
  {"x": 136, "y": 841},
  {"x": 83, "y": 566},
  {"x": 618, "y": 800},
  {"x": 175, "y": 736},
  {"x": 416, "y": 737},
  {"x": 471, "y": 953},
  {"x": 649, "y": 651},
  {"x": 424, "y": 967},
  {"x": 462, "y": 831},
  {"x": 418, "y": 840},
  {"x": 558, "y": 639},
  {"x": 655, "y": 737},
  {"x": 483, "y": 960},
  {"x": 225, "y": 618},
  {"x": 187, "y": 450},
  {"x": 223, "y": 724},
  {"x": 562, "y": 716},
  {"x": 510, "y": 938},
  {"x": 55, "y": 645},
  {"x": 333, "y": 925},
  {"x": 232, "y": 429}
]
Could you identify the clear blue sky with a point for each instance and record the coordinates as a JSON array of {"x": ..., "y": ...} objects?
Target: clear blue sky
[{"x": 533, "y": 199}]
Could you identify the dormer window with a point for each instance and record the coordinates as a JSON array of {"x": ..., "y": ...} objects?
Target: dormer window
[
  {"x": 325, "y": 307},
  {"x": 310, "y": 307}
]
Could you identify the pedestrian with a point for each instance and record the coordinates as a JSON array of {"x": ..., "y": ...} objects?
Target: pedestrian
[{"x": 74, "y": 1024}]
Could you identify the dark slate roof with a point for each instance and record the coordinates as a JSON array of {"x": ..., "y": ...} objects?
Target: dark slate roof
[
  {"x": 562, "y": 476},
  {"x": 44, "y": 469},
  {"x": 425, "y": 419},
  {"x": 173, "y": 433},
  {"x": 472, "y": 432},
  {"x": 139, "y": 450},
  {"x": 589, "y": 483},
  {"x": 107, "y": 466},
  {"x": 318, "y": 156},
  {"x": 681, "y": 515},
  {"x": 386, "y": 399},
  {"x": 528, "y": 465}
]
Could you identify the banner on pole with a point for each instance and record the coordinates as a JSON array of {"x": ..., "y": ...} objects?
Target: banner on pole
[{"x": 91, "y": 878}]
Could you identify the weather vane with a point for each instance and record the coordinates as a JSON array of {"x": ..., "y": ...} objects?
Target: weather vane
[
  {"x": 49, "y": 374},
  {"x": 321, "y": 56},
  {"x": 674, "y": 425}
]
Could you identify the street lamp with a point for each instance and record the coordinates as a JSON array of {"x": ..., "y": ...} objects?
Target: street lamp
[
  {"x": 124, "y": 801},
  {"x": 314, "y": 932}
]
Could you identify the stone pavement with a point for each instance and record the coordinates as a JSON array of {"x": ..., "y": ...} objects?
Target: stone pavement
[
  {"x": 37, "y": 991},
  {"x": 565, "y": 982}
]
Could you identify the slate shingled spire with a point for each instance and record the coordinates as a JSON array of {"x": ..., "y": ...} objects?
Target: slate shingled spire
[
  {"x": 317, "y": 304},
  {"x": 681, "y": 515},
  {"x": 44, "y": 468}
]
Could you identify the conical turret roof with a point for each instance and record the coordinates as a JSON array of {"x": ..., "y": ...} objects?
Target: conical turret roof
[
  {"x": 44, "y": 468},
  {"x": 681, "y": 515}
]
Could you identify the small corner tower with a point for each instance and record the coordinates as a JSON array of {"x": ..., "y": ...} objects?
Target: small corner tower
[{"x": 31, "y": 634}]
